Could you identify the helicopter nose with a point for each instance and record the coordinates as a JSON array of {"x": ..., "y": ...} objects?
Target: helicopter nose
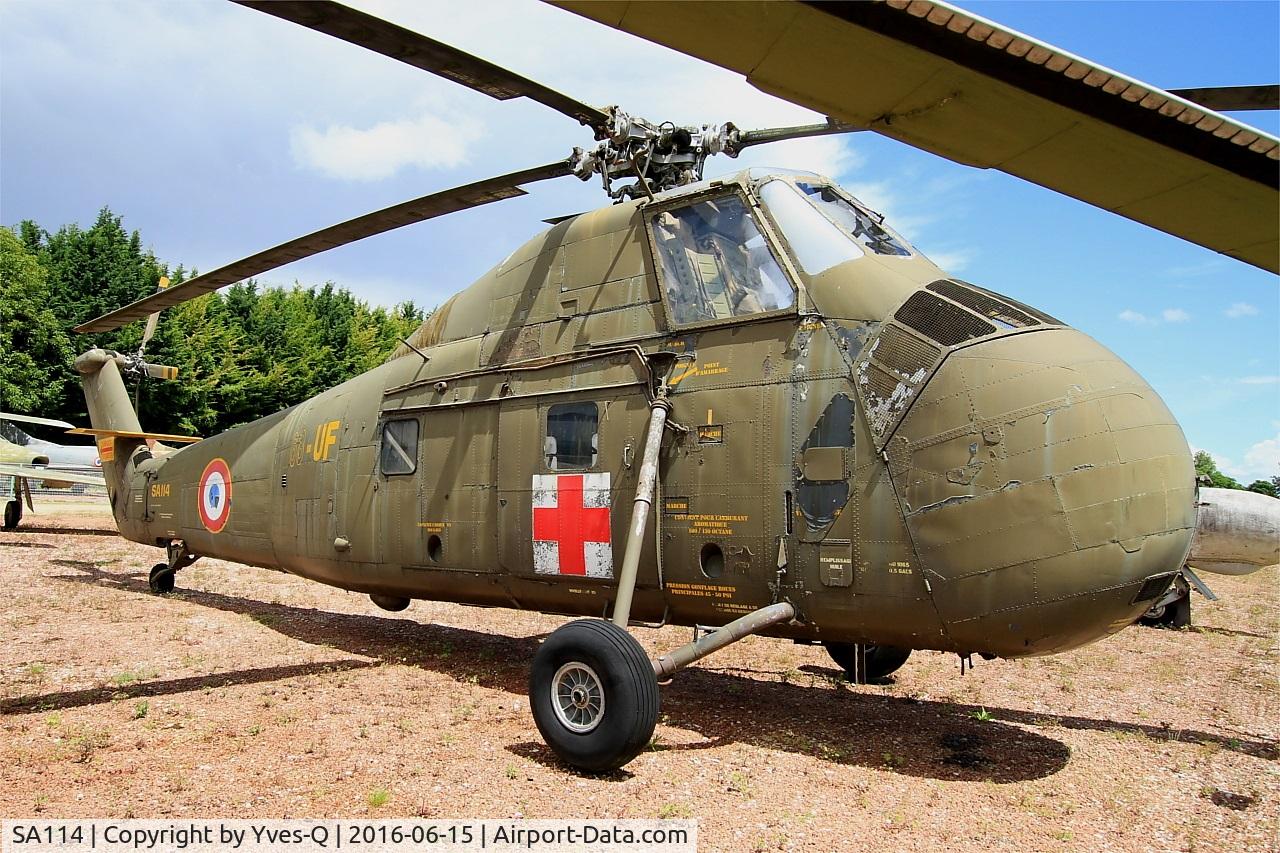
[{"x": 1048, "y": 490}]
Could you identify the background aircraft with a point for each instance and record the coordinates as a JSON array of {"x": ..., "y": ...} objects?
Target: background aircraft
[{"x": 30, "y": 461}]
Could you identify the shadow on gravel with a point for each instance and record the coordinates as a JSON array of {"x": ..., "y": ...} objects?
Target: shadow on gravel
[
  {"x": 840, "y": 724},
  {"x": 69, "y": 531},
  {"x": 25, "y": 545},
  {"x": 99, "y": 695},
  {"x": 1225, "y": 632}
]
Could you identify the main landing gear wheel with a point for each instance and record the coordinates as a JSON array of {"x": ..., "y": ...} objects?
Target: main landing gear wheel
[
  {"x": 161, "y": 579},
  {"x": 594, "y": 695},
  {"x": 877, "y": 661},
  {"x": 12, "y": 514}
]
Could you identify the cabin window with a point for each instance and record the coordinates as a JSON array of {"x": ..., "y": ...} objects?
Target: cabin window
[
  {"x": 573, "y": 436},
  {"x": 859, "y": 223},
  {"x": 400, "y": 446},
  {"x": 716, "y": 264},
  {"x": 818, "y": 243}
]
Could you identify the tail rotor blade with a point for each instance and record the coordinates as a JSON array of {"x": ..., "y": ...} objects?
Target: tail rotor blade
[{"x": 153, "y": 320}]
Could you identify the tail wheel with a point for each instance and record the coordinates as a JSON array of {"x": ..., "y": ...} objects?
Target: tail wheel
[
  {"x": 1175, "y": 614},
  {"x": 876, "y": 661},
  {"x": 161, "y": 579},
  {"x": 594, "y": 695}
]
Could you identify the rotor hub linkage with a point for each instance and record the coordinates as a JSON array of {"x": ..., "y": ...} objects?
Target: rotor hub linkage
[{"x": 660, "y": 156}]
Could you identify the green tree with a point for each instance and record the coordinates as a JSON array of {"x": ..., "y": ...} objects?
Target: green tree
[
  {"x": 35, "y": 354},
  {"x": 1207, "y": 467},
  {"x": 1265, "y": 487},
  {"x": 243, "y": 353}
]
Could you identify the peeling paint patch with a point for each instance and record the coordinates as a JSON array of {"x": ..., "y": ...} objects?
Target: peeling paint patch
[{"x": 954, "y": 499}]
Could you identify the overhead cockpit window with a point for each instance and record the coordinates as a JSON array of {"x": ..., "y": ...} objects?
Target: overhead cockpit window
[
  {"x": 716, "y": 263},
  {"x": 861, "y": 224},
  {"x": 818, "y": 244}
]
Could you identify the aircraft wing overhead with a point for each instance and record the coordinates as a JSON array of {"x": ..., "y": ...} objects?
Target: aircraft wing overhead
[
  {"x": 943, "y": 80},
  {"x": 40, "y": 472}
]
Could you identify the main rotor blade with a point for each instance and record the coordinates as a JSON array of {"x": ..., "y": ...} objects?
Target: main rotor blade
[
  {"x": 747, "y": 138},
  {"x": 954, "y": 84},
  {"x": 1233, "y": 98},
  {"x": 387, "y": 219},
  {"x": 415, "y": 49}
]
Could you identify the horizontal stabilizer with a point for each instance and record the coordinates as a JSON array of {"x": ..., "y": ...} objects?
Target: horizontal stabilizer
[{"x": 120, "y": 433}]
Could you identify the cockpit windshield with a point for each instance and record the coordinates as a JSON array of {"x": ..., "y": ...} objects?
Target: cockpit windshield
[
  {"x": 859, "y": 223},
  {"x": 716, "y": 264}
]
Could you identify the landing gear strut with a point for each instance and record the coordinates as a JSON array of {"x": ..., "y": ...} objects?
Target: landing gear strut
[
  {"x": 161, "y": 579},
  {"x": 1173, "y": 609},
  {"x": 13, "y": 509}
]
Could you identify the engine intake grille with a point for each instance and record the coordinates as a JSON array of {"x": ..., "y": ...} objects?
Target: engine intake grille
[
  {"x": 988, "y": 306},
  {"x": 940, "y": 320}
]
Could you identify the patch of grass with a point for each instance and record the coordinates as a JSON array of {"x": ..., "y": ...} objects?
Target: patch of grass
[
  {"x": 512, "y": 772},
  {"x": 674, "y": 810},
  {"x": 54, "y": 720},
  {"x": 86, "y": 743},
  {"x": 132, "y": 676},
  {"x": 140, "y": 709},
  {"x": 982, "y": 715},
  {"x": 891, "y": 759},
  {"x": 34, "y": 671},
  {"x": 740, "y": 783},
  {"x": 378, "y": 798}
]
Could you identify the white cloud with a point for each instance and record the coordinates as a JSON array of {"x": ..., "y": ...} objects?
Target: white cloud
[
  {"x": 1258, "y": 380},
  {"x": 426, "y": 142},
  {"x": 952, "y": 260},
  {"x": 1262, "y": 460},
  {"x": 1212, "y": 265},
  {"x": 1241, "y": 309},
  {"x": 1168, "y": 315}
]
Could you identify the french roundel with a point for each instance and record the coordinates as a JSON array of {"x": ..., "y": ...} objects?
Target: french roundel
[{"x": 215, "y": 495}]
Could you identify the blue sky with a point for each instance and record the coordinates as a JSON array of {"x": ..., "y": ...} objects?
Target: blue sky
[{"x": 217, "y": 131}]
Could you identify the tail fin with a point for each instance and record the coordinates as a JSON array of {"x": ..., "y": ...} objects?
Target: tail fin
[{"x": 115, "y": 423}]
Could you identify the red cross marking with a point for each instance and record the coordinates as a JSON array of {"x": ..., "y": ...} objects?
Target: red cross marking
[{"x": 571, "y": 525}]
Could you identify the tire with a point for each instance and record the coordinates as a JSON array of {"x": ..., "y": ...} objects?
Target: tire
[
  {"x": 161, "y": 579},
  {"x": 593, "y": 695},
  {"x": 1175, "y": 614},
  {"x": 878, "y": 661},
  {"x": 12, "y": 514}
]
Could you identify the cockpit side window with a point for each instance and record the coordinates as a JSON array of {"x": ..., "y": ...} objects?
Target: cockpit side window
[
  {"x": 859, "y": 223},
  {"x": 716, "y": 263}
]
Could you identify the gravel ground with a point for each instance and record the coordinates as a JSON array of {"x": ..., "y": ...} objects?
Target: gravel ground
[{"x": 254, "y": 694}]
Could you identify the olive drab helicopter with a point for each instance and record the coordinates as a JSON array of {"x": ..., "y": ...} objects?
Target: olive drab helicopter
[{"x": 746, "y": 403}]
